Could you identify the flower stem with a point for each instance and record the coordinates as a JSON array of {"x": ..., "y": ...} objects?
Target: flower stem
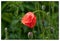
[{"x": 39, "y": 11}]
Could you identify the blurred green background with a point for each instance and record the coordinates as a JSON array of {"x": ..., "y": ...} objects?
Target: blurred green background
[{"x": 47, "y": 26}]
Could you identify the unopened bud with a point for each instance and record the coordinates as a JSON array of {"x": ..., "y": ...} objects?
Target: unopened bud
[
  {"x": 46, "y": 37},
  {"x": 30, "y": 35},
  {"x": 48, "y": 13},
  {"x": 43, "y": 7},
  {"x": 5, "y": 29},
  {"x": 52, "y": 29},
  {"x": 6, "y": 37}
]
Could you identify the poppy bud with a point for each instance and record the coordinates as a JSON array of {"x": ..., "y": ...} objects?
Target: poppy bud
[
  {"x": 43, "y": 7},
  {"x": 44, "y": 22},
  {"x": 30, "y": 35},
  {"x": 52, "y": 29},
  {"x": 48, "y": 13},
  {"x": 6, "y": 34},
  {"x": 5, "y": 29},
  {"x": 29, "y": 19},
  {"x": 46, "y": 37}
]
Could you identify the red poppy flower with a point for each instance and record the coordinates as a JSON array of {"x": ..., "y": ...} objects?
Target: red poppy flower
[{"x": 29, "y": 19}]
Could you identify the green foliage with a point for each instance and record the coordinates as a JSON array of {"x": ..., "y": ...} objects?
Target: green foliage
[{"x": 47, "y": 26}]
